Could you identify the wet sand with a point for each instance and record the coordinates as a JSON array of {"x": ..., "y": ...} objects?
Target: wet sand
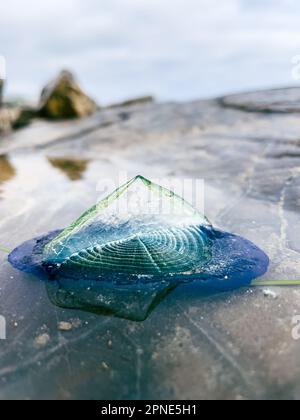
[{"x": 234, "y": 345}]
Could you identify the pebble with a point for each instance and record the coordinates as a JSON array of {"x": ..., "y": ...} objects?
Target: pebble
[
  {"x": 270, "y": 293},
  {"x": 42, "y": 340},
  {"x": 69, "y": 325},
  {"x": 104, "y": 366},
  {"x": 65, "y": 326}
]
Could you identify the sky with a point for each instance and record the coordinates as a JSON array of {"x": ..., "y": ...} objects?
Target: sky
[{"x": 173, "y": 49}]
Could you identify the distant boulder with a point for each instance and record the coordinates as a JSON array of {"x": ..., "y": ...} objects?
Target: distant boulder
[
  {"x": 1, "y": 91},
  {"x": 134, "y": 101},
  {"x": 14, "y": 116},
  {"x": 63, "y": 99},
  {"x": 7, "y": 118}
]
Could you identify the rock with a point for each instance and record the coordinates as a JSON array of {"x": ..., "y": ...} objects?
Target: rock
[
  {"x": 135, "y": 101},
  {"x": 13, "y": 117},
  {"x": 270, "y": 294},
  {"x": 42, "y": 340},
  {"x": 1, "y": 91},
  {"x": 274, "y": 100},
  {"x": 69, "y": 325},
  {"x": 64, "y": 99},
  {"x": 65, "y": 326},
  {"x": 104, "y": 366},
  {"x": 7, "y": 117}
]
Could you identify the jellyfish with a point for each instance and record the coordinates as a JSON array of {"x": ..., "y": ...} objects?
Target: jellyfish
[{"x": 128, "y": 251}]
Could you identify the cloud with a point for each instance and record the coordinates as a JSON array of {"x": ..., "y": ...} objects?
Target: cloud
[{"x": 177, "y": 49}]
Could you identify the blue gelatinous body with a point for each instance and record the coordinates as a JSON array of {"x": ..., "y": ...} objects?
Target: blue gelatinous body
[
  {"x": 234, "y": 263},
  {"x": 125, "y": 262}
]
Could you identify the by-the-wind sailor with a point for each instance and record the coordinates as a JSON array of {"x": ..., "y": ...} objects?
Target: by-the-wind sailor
[{"x": 125, "y": 253}]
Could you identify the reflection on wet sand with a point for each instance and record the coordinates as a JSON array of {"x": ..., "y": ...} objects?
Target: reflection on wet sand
[
  {"x": 7, "y": 171},
  {"x": 74, "y": 169},
  {"x": 134, "y": 302}
]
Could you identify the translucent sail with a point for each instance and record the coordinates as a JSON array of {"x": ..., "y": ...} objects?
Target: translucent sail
[{"x": 141, "y": 228}]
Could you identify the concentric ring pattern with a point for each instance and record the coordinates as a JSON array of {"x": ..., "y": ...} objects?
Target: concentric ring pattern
[{"x": 162, "y": 251}]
